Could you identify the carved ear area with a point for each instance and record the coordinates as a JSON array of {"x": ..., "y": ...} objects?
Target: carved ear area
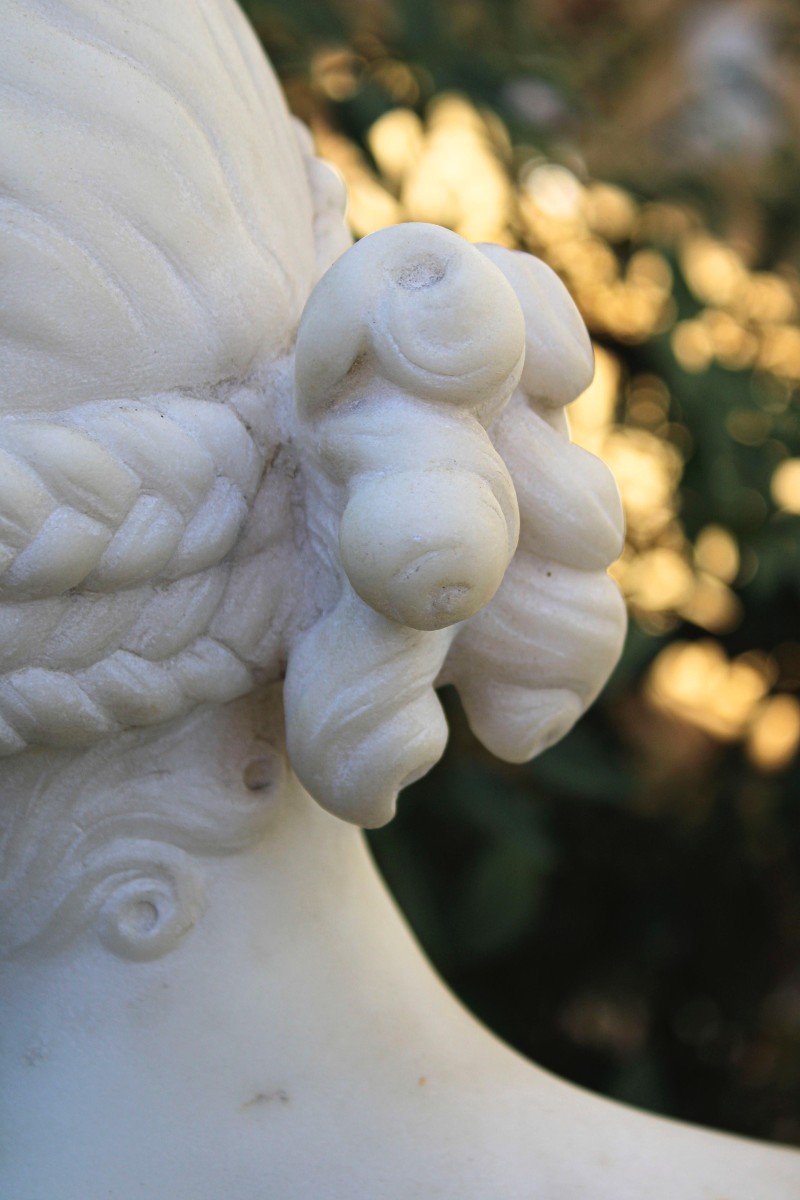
[
  {"x": 436, "y": 317},
  {"x": 559, "y": 361}
]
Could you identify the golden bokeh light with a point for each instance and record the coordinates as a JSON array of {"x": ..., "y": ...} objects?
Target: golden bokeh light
[
  {"x": 335, "y": 72},
  {"x": 592, "y": 414},
  {"x": 712, "y": 605},
  {"x": 714, "y": 271},
  {"x": 774, "y": 735},
  {"x": 647, "y": 470},
  {"x": 554, "y": 191},
  {"x": 716, "y": 551},
  {"x": 780, "y": 351},
  {"x": 768, "y": 298},
  {"x": 697, "y": 683},
  {"x": 692, "y": 345},
  {"x": 659, "y": 580},
  {"x": 748, "y": 426},
  {"x": 395, "y": 142},
  {"x": 456, "y": 176},
  {"x": 733, "y": 346},
  {"x": 785, "y": 485},
  {"x": 610, "y": 211}
]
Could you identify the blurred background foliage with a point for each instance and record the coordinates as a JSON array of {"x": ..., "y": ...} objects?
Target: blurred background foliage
[{"x": 626, "y": 909}]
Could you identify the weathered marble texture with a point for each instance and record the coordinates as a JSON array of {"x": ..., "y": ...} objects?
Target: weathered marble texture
[{"x": 248, "y": 476}]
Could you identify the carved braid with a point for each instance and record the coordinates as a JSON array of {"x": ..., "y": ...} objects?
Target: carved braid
[
  {"x": 133, "y": 539},
  {"x": 40, "y": 706},
  {"x": 107, "y": 496},
  {"x": 119, "y": 521}
]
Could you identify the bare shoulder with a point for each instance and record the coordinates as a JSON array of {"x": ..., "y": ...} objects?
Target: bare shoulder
[{"x": 620, "y": 1153}]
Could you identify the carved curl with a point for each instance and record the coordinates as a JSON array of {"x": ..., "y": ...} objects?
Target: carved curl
[
  {"x": 198, "y": 497},
  {"x": 165, "y": 553},
  {"x": 407, "y": 355},
  {"x": 94, "y": 843}
]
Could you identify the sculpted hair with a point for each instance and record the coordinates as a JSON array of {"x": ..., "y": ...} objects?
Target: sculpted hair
[{"x": 235, "y": 452}]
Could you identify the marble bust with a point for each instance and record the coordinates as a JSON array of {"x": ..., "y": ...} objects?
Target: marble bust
[{"x": 261, "y": 492}]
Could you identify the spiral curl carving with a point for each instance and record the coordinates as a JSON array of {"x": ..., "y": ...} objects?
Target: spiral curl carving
[
  {"x": 431, "y": 378},
  {"x": 99, "y": 847}
]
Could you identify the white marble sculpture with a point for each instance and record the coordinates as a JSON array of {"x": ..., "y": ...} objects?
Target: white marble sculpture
[{"x": 252, "y": 477}]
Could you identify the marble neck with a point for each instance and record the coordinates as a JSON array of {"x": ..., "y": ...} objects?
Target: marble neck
[{"x": 283, "y": 973}]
